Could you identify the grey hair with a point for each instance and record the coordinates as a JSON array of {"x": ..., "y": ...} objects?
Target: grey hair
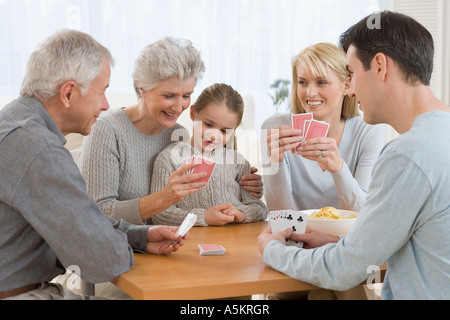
[
  {"x": 68, "y": 55},
  {"x": 164, "y": 59}
]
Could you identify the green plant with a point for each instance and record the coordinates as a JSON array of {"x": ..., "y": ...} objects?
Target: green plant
[{"x": 281, "y": 87}]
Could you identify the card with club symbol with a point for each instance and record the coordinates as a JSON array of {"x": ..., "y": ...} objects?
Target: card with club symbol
[{"x": 280, "y": 220}]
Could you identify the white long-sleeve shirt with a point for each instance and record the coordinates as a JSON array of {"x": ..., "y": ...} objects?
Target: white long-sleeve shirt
[{"x": 299, "y": 184}]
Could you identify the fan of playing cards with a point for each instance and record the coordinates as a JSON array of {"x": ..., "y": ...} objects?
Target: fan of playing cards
[
  {"x": 310, "y": 128},
  {"x": 280, "y": 220},
  {"x": 205, "y": 165}
]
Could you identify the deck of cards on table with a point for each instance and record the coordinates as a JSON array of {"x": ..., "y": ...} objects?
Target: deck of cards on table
[
  {"x": 204, "y": 165},
  {"x": 280, "y": 220},
  {"x": 211, "y": 250},
  {"x": 310, "y": 128}
]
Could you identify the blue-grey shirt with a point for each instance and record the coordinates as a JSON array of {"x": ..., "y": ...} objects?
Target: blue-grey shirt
[
  {"x": 48, "y": 221},
  {"x": 404, "y": 222}
]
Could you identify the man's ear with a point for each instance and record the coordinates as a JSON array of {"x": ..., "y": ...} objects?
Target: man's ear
[
  {"x": 380, "y": 66},
  {"x": 65, "y": 93}
]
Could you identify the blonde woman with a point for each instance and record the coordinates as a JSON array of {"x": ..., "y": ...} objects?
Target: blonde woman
[{"x": 332, "y": 171}]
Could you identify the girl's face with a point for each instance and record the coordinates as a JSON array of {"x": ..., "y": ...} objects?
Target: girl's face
[
  {"x": 213, "y": 126},
  {"x": 164, "y": 103},
  {"x": 321, "y": 96}
]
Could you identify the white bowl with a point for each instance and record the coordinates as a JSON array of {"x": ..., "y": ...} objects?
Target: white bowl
[{"x": 332, "y": 227}]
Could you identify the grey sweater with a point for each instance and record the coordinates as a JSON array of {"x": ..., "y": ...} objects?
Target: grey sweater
[
  {"x": 116, "y": 161},
  {"x": 48, "y": 221},
  {"x": 222, "y": 187}
]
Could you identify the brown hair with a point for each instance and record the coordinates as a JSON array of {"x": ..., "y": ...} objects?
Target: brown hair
[{"x": 221, "y": 94}]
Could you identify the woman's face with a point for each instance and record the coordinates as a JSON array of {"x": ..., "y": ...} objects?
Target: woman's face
[
  {"x": 319, "y": 95},
  {"x": 165, "y": 102},
  {"x": 213, "y": 126}
]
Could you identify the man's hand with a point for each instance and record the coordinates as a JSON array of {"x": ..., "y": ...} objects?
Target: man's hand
[
  {"x": 313, "y": 239},
  {"x": 161, "y": 240},
  {"x": 266, "y": 236}
]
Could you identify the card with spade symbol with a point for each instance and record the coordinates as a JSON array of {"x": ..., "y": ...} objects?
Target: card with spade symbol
[{"x": 280, "y": 220}]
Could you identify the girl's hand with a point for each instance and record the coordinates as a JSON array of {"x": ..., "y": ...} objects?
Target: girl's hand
[
  {"x": 238, "y": 215},
  {"x": 215, "y": 216},
  {"x": 324, "y": 151}
]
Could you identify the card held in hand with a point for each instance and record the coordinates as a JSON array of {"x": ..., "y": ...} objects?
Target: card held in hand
[
  {"x": 280, "y": 220},
  {"x": 316, "y": 129},
  {"x": 204, "y": 165},
  {"x": 186, "y": 225},
  {"x": 298, "y": 121}
]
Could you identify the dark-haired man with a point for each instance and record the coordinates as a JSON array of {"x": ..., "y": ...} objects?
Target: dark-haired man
[{"x": 406, "y": 217}]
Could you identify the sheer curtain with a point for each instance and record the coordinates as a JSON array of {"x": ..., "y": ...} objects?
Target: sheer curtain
[{"x": 245, "y": 43}]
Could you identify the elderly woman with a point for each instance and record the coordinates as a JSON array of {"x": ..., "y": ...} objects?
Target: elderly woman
[{"x": 116, "y": 160}]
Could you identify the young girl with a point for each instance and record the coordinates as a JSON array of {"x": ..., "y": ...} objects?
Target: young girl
[{"x": 216, "y": 114}]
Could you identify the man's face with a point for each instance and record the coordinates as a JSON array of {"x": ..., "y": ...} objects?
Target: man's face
[
  {"x": 87, "y": 108},
  {"x": 364, "y": 88}
]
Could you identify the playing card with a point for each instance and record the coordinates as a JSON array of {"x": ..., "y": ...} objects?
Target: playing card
[
  {"x": 205, "y": 165},
  {"x": 211, "y": 250},
  {"x": 282, "y": 219},
  {"x": 316, "y": 129},
  {"x": 298, "y": 121},
  {"x": 186, "y": 225}
]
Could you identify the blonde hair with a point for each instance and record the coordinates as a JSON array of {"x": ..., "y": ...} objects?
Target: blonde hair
[
  {"x": 221, "y": 94},
  {"x": 317, "y": 58}
]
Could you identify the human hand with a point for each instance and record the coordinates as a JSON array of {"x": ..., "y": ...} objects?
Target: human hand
[
  {"x": 266, "y": 236},
  {"x": 161, "y": 239},
  {"x": 253, "y": 183},
  {"x": 215, "y": 216},
  {"x": 324, "y": 151},
  {"x": 181, "y": 184},
  {"x": 313, "y": 239},
  {"x": 282, "y": 139},
  {"x": 238, "y": 215}
]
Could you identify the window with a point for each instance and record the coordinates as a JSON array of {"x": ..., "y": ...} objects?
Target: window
[{"x": 245, "y": 43}]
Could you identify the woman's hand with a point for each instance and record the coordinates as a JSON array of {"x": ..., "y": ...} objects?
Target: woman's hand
[
  {"x": 180, "y": 184},
  {"x": 253, "y": 183},
  {"x": 324, "y": 151},
  {"x": 282, "y": 139}
]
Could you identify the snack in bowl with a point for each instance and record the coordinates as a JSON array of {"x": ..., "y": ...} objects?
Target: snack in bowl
[
  {"x": 332, "y": 221},
  {"x": 329, "y": 213}
]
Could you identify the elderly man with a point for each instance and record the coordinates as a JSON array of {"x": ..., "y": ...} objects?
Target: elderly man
[
  {"x": 405, "y": 221},
  {"x": 47, "y": 219}
]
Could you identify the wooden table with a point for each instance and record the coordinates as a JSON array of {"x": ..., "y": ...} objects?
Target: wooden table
[{"x": 187, "y": 275}]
